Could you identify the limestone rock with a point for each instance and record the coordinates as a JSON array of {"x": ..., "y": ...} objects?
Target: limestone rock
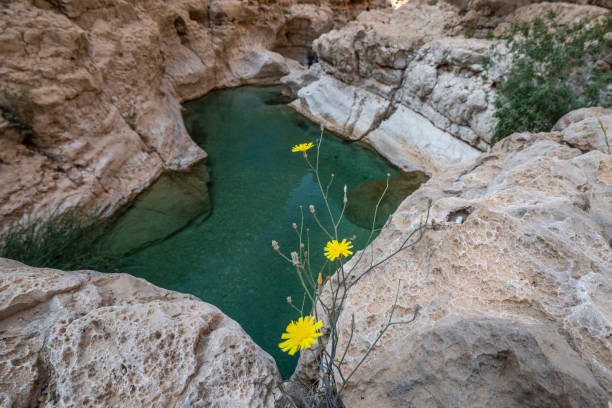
[
  {"x": 411, "y": 142},
  {"x": 90, "y": 90},
  {"x": 415, "y": 63},
  {"x": 514, "y": 281},
  {"x": 397, "y": 68},
  {"x": 491, "y": 362},
  {"x": 74, "y": 339},
  {"x": 303, "y": 24},
  {"x": 581, "y": 129},
  {"x": 484, "y": 15}
]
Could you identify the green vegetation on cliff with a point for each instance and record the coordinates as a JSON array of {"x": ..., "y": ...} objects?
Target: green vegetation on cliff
[{"x": 554, "y": 69}]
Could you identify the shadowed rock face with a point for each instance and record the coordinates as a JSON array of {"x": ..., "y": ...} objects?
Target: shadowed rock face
[
  {"x": 493, "y": 362},
  {"x": 76, "y": 339},
  {"x": 514, "y": 281}
]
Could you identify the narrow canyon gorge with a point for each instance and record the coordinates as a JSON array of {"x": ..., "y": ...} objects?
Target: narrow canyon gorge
[{"x": 513, "y": 277}]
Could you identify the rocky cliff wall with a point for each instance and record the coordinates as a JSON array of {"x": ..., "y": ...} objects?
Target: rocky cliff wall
[
  {"x": 90, "y": 90},
  {"x": 409, "y": 83}
]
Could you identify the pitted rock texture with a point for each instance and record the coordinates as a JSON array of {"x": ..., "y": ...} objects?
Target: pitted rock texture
[
  {"x": 514, "y": 281},
  {"x": 90, "y": 90},
  {"x": 409, "y": 83},
  {"x": 76, "y": 339}
]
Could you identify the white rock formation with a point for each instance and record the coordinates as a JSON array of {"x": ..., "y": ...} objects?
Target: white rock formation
[{"x": 408, "y": 82}]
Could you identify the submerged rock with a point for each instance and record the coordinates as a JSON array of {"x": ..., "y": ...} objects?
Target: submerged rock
[
  {"x": 173, "y": 201},
  {"x": 76, "y": 339},
  {"x": 362, "y": 199}
]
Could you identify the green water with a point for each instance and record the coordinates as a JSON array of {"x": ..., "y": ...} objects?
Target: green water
[{"x": 257, "y": 185}]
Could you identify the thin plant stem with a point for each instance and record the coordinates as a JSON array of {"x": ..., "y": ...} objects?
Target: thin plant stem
[
  {"x": 604, "y": 132},
  {"x": 382, "y": 332}
]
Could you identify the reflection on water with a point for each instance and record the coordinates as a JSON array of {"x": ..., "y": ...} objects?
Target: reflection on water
[{"x": 256, "y": 188}]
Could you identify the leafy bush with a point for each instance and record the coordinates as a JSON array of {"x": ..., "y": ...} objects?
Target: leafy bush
[
  {"x": 553, "y": 71},
  {"x": 68, "y": 241}
]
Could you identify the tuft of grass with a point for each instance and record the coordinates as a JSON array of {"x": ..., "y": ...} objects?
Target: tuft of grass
[
  {"x": 553, "y": 71},
  {"x": 69, "y": 241},
  {"x": 469, "y": 31}
]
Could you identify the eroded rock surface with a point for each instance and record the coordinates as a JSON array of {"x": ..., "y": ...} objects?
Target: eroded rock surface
[
  {"x": 76, "y": 339},
  {"x": 514, "y": 281},
  {"x": 408, "y": 81}
]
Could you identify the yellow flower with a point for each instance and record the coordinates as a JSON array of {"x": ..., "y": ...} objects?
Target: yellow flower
[
  {"x": 301, "y": 147},
  {"x": 334, "y": 249},
  {"x": 300, "y": 335}
]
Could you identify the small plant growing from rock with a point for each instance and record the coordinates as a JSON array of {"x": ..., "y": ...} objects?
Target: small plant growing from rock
[
  {"x": 318, "y": 332},
  {"x": 469, "y": 31}
]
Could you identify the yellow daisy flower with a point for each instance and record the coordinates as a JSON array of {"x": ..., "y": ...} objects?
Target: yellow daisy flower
[
  {"x": 302, "y": 147},
  {"x": 334, "y": 249},
  {"x": 300, "y": 335}
]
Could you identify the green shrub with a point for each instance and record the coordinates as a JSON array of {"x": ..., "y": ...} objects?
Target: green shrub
[
  {"x": 469, "y": 31},
  {"x": 68, "y": 241},
  {"x": 552, "y": 72}
]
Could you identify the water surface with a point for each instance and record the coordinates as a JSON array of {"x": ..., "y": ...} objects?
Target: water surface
[{"x": 257, "y": 185}]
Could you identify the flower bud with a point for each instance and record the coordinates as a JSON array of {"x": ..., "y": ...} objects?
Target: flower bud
[
  {"x": 345, "y": 199},
  {"x": 295, "y": 259},
  {"x": 302, "y": 245},
  {"x": 289, "y": 299},
  {"x": 312, "y": 209},
  {"x": 275, "y": 245},
  {"x": 294, "y": 225},
  {"x": 320, "y": 279}
]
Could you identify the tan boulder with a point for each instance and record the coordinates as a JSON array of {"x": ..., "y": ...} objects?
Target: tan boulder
[
  {"x": 582, "y": 129},
  {"x": 84, "y": 338},
  {"x": 514, "y": 281}
]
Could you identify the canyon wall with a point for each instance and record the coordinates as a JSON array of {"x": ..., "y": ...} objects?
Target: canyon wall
[
  {"x": 408, "y": 81},
  {"x": 90, "y": 90}
]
